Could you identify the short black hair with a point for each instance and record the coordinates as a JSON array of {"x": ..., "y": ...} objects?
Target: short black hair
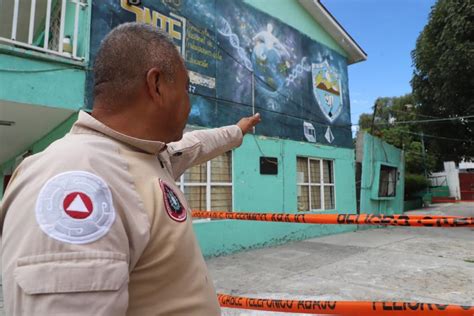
[{"x": 126, "y": 54}]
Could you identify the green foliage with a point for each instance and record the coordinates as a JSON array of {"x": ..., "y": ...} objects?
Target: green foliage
[
  {"x": 404, "y": 136},
  {"x": 415, "y": 162},
  {"x": 414, "y": 183},
  {"x": 443, "y": 87},
  {"x": 365, "y": 121},
  {"x": 389, "y": 109},
  {"x": 443, "y": 83}
]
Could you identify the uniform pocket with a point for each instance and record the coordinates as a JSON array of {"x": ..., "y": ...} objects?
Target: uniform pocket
[{"x": 72, "y": 272}]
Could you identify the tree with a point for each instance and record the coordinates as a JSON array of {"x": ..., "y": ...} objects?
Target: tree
[
  {"x": 365, "y": 121},
  {"x": 443, "y": 84},
  {"x": 405, "y": 136}
]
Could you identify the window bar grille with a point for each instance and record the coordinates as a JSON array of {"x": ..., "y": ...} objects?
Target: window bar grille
[
  {"x": 32, "y": 22},
  {"x": 15, "y": 19},
  {"x": 76, "y": 29},
  {"x": 46, "y": 25},
  {"x": 321, "y": 180},
  {"x": 208, "y": 186},
  {"x": 61, "y": 26},
  {"x": 310, "y": 200}
]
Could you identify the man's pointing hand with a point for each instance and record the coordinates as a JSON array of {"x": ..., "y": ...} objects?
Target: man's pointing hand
[{"x": 246, "y": 124}]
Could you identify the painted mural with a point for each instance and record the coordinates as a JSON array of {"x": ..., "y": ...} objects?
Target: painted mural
[{"x": 241, "y": 61}]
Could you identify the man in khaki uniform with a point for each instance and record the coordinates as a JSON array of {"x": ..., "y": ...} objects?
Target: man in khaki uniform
[{"x": 95, "y": 225}]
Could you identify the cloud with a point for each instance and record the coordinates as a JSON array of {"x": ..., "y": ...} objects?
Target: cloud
[
  {"x": 354, "y": 130},
  {"x": 360, "y": 101}
]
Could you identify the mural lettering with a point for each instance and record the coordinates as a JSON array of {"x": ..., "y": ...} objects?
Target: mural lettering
[{"x": 174, "y": 25}]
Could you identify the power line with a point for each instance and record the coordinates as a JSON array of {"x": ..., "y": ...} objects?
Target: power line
[
  {"x": 439, "y": 137},
  {"x": 417, "y": 114},
  {"x": 403, "y": 112},
  {"x": 216, "y": 43},
  {"x": 258, "y": 107},
  {"x": 324, "y": 123},
  {"x": 427, "y": 121},
  {"x": 421, "y": 154}
]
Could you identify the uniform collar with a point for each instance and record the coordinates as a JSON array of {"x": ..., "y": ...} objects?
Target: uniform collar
[{"x": 86, "y": 124}]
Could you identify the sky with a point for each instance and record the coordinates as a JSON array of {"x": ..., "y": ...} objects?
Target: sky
[{"x": 387, "y": 31}]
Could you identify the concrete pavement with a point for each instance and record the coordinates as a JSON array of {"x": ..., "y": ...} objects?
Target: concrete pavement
[{"x": 430, "y": 265}]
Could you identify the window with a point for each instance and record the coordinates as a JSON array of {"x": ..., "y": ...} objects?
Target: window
[
  {"x": 315, "y": 182},
  {"x": 208, "y": 186},
  {"x": 388, "y": 181}
]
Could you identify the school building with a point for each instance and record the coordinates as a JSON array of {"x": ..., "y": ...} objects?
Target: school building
[{"x": 286, "y": 59}]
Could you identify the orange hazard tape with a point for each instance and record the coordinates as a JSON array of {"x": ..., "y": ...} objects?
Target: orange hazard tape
[
  {"x": 342, "y": 307},
  {"x": 359, "y": 219}
]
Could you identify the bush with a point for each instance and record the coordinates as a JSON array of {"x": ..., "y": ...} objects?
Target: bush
[{"x": 414, "y": 183}]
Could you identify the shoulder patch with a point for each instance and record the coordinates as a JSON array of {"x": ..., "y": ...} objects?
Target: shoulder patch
[
  {"x": 75, "y": 207},
  {"x": 173, "y": 205}
]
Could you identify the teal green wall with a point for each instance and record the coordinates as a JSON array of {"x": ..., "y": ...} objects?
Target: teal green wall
[
  {"x": 58, "y": 132},
  {"x": 440, "y": 191},
  {"x": 378, "y": 152},
  {"x": 293, "y": 14},
  {"x": 260, "y": 193},
  {"x": 41, "y": 82},
  {"x": 426, "y": 196},
  {"x": 275, "y": 193},
  {"x": 26, "y": 78}
]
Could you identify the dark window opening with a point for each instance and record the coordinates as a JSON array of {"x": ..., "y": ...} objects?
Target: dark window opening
[{"x": 388, "y": 181}]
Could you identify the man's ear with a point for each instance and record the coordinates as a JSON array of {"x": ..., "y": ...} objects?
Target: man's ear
[{"x": 153, "y": 81}]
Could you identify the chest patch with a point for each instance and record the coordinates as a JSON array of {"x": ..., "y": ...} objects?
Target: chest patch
[
  {"x": 75, "y": 207},
  {"x": 173, "y": 205}
]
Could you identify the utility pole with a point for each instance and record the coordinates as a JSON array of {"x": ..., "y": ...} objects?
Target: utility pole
[
  {"x": 423, "y": 153},
  {"x": 253, "y": 97},
  {"x": 424, "y": 157},
  {"x": 373, "y": 118}
]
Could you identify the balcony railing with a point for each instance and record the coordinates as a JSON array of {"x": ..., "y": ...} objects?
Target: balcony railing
[{"x": 48, "y": 26}]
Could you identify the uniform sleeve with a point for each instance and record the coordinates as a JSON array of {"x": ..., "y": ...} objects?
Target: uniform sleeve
[
  {"x": 2, "y": 213},
  {"x": 200, "y": 146},
  {"x": 73, "y": 256}
]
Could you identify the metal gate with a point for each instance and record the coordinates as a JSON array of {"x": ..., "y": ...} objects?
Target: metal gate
[{"x": 466, "y": 183}]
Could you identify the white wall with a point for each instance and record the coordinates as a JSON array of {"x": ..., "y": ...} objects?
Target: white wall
[
  {"x": 438, "y": 178},
  {"x": 452, "y": 176},
  {"x": 466, "y": 165}
]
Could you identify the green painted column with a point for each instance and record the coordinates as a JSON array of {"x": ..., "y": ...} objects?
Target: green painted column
[{"x": 377, "y": 153}]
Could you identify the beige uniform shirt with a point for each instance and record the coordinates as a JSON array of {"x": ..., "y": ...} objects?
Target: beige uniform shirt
[{"x": 95, "y": 225}]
